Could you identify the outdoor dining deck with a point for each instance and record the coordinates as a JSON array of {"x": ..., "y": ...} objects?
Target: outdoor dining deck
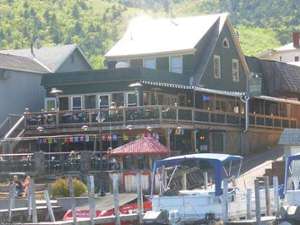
[{"x": 149, "y": 115}]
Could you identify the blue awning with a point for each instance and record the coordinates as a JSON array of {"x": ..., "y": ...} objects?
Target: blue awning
[
  {"x": 210, "y": 157},
  {"x": 215, "y": 160}
]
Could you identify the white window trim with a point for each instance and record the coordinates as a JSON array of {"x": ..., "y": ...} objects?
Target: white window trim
[
  {"x": 47, "y": 99},
  {"x": 238, "y": 70},
  {"x": 126, "y": 97},
  {"x": 170, "y": 68},
  {"x": 152, "y": 58},
  {"x": 81, "y": 101},
  {"x": 220, "y": 72}
]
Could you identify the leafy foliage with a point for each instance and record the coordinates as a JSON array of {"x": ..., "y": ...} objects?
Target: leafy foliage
[
  {"x": 97, "y": 24},
  {"x": 60, "y": 188}
]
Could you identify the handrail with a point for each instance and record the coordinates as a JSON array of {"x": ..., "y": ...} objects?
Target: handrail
[
  {"x": 125, "y": 115},
  {"x": 21, "y": 120}
]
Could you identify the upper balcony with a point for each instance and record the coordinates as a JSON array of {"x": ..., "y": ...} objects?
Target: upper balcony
[{"x": 152, "y": 115}]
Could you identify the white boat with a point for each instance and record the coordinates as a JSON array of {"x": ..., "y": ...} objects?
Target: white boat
[{"x": 205, "y": 202}]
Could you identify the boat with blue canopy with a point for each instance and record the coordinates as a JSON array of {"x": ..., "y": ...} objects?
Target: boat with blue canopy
[{"x": 198, "y": 179}]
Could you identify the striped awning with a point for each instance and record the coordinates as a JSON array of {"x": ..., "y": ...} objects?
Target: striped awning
[{"x": 142, "y": 146}]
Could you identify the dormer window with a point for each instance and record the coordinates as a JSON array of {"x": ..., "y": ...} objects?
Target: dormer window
[
  {"x": 175, "y": 64},
  {"x": 225, "y": 43},
  {"x": 149, "y": 63}
]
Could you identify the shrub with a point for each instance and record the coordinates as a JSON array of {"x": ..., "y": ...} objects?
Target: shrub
[{"x": 60, "y": 188}]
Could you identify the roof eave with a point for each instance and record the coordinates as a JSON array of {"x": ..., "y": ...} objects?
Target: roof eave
[{"x": 152, "y": 54}]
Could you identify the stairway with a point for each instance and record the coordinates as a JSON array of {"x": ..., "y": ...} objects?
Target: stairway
[{"x": 12, "y": 127}]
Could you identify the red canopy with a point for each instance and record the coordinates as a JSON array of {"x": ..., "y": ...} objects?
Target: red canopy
[{"x": 142, "y": 146}]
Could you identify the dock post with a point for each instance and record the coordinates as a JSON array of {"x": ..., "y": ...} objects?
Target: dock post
[
  {"x": 116, "y": 198},
  {"x": 205, "y": 175},
  {"x": 276, "y": 195},
  {"x": 49, "y": 206},
  {"x": 249, "y": 196},
  {"x": 267, "y": 193},
  {"x": 11, "y": 200},
  {"x": 225, "y": 200},
  {"x": 184, "y": 181},
  {"x": 139, "y": 197},
  {"x": 29, "y": 199},
  {"x": 257, "y": 202},
  {"x": 33, "y": 202},
  {"x": 71, "y": 191},
  {"x": 92, "y": 204}
]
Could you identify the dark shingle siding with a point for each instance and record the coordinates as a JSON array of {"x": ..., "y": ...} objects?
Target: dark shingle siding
[{"x": 278, "y": 78}]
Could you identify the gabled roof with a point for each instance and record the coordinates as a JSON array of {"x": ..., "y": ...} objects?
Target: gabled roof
[
  {"x": 146, "y": 36},
  {"x": 51, "y": 58},
  {"x": 142, "y": 146},
  {"x": 19, "y": 63}
]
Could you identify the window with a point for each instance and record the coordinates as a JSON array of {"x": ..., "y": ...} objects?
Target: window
[
  {"x": 235, "y": 70},
  {"x": 123, "y": 64},
  {"x": 132, "y": 99},
  {"x": 76, "y": 103},
  {"x": 63, "y": 103},
  {"x": 50, "y": 104},
  {"x": 103, "y": 101},
  {"x": 118, "y": 98},
  {"x": 175, "y": 64},
  {"x": 149, "y": 63},
  {"x": 217, "y": 67},
  {"x": 296, "y": 58},
  {"x": 90, "y": 101},
  {"x": 225, "y": 43}
]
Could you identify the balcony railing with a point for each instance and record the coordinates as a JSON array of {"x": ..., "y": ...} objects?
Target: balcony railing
[{"x": 151, "y": 115}]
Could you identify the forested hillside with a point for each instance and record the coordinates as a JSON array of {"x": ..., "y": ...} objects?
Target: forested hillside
[{"x": 96, "y": 24}]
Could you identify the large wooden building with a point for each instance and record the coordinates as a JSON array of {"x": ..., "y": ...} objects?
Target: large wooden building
[{"x": 183, "y": 80}]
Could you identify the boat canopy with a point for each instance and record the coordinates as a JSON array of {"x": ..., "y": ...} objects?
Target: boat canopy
[{"x": 216, "y": 161}]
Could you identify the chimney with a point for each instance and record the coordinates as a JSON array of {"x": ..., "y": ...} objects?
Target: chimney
[{"x": 296, "y": 39}]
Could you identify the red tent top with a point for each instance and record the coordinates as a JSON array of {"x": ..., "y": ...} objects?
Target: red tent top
[{"x": 142, "y": 146}]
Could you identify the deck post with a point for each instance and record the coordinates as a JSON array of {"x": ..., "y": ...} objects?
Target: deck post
[
  {"x": 49, "y": 206},
  {"x": 267, "y": 193},
  {"x": 139, "y": 197},
  {"x": 73, "y": 203},
  {"x": 249, "y": 196},
  {"x": 11, "y": 200},
  {"x": 257, "y": 202},
  {"x": 225, "y": 200},
  {"x": 116, "y": 198},
  {"x": 276, "y": 195},
  {"x": 92, "y": 204}
]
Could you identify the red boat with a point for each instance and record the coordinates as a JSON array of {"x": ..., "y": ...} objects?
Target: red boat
[{"x": 125, "y": 208}]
